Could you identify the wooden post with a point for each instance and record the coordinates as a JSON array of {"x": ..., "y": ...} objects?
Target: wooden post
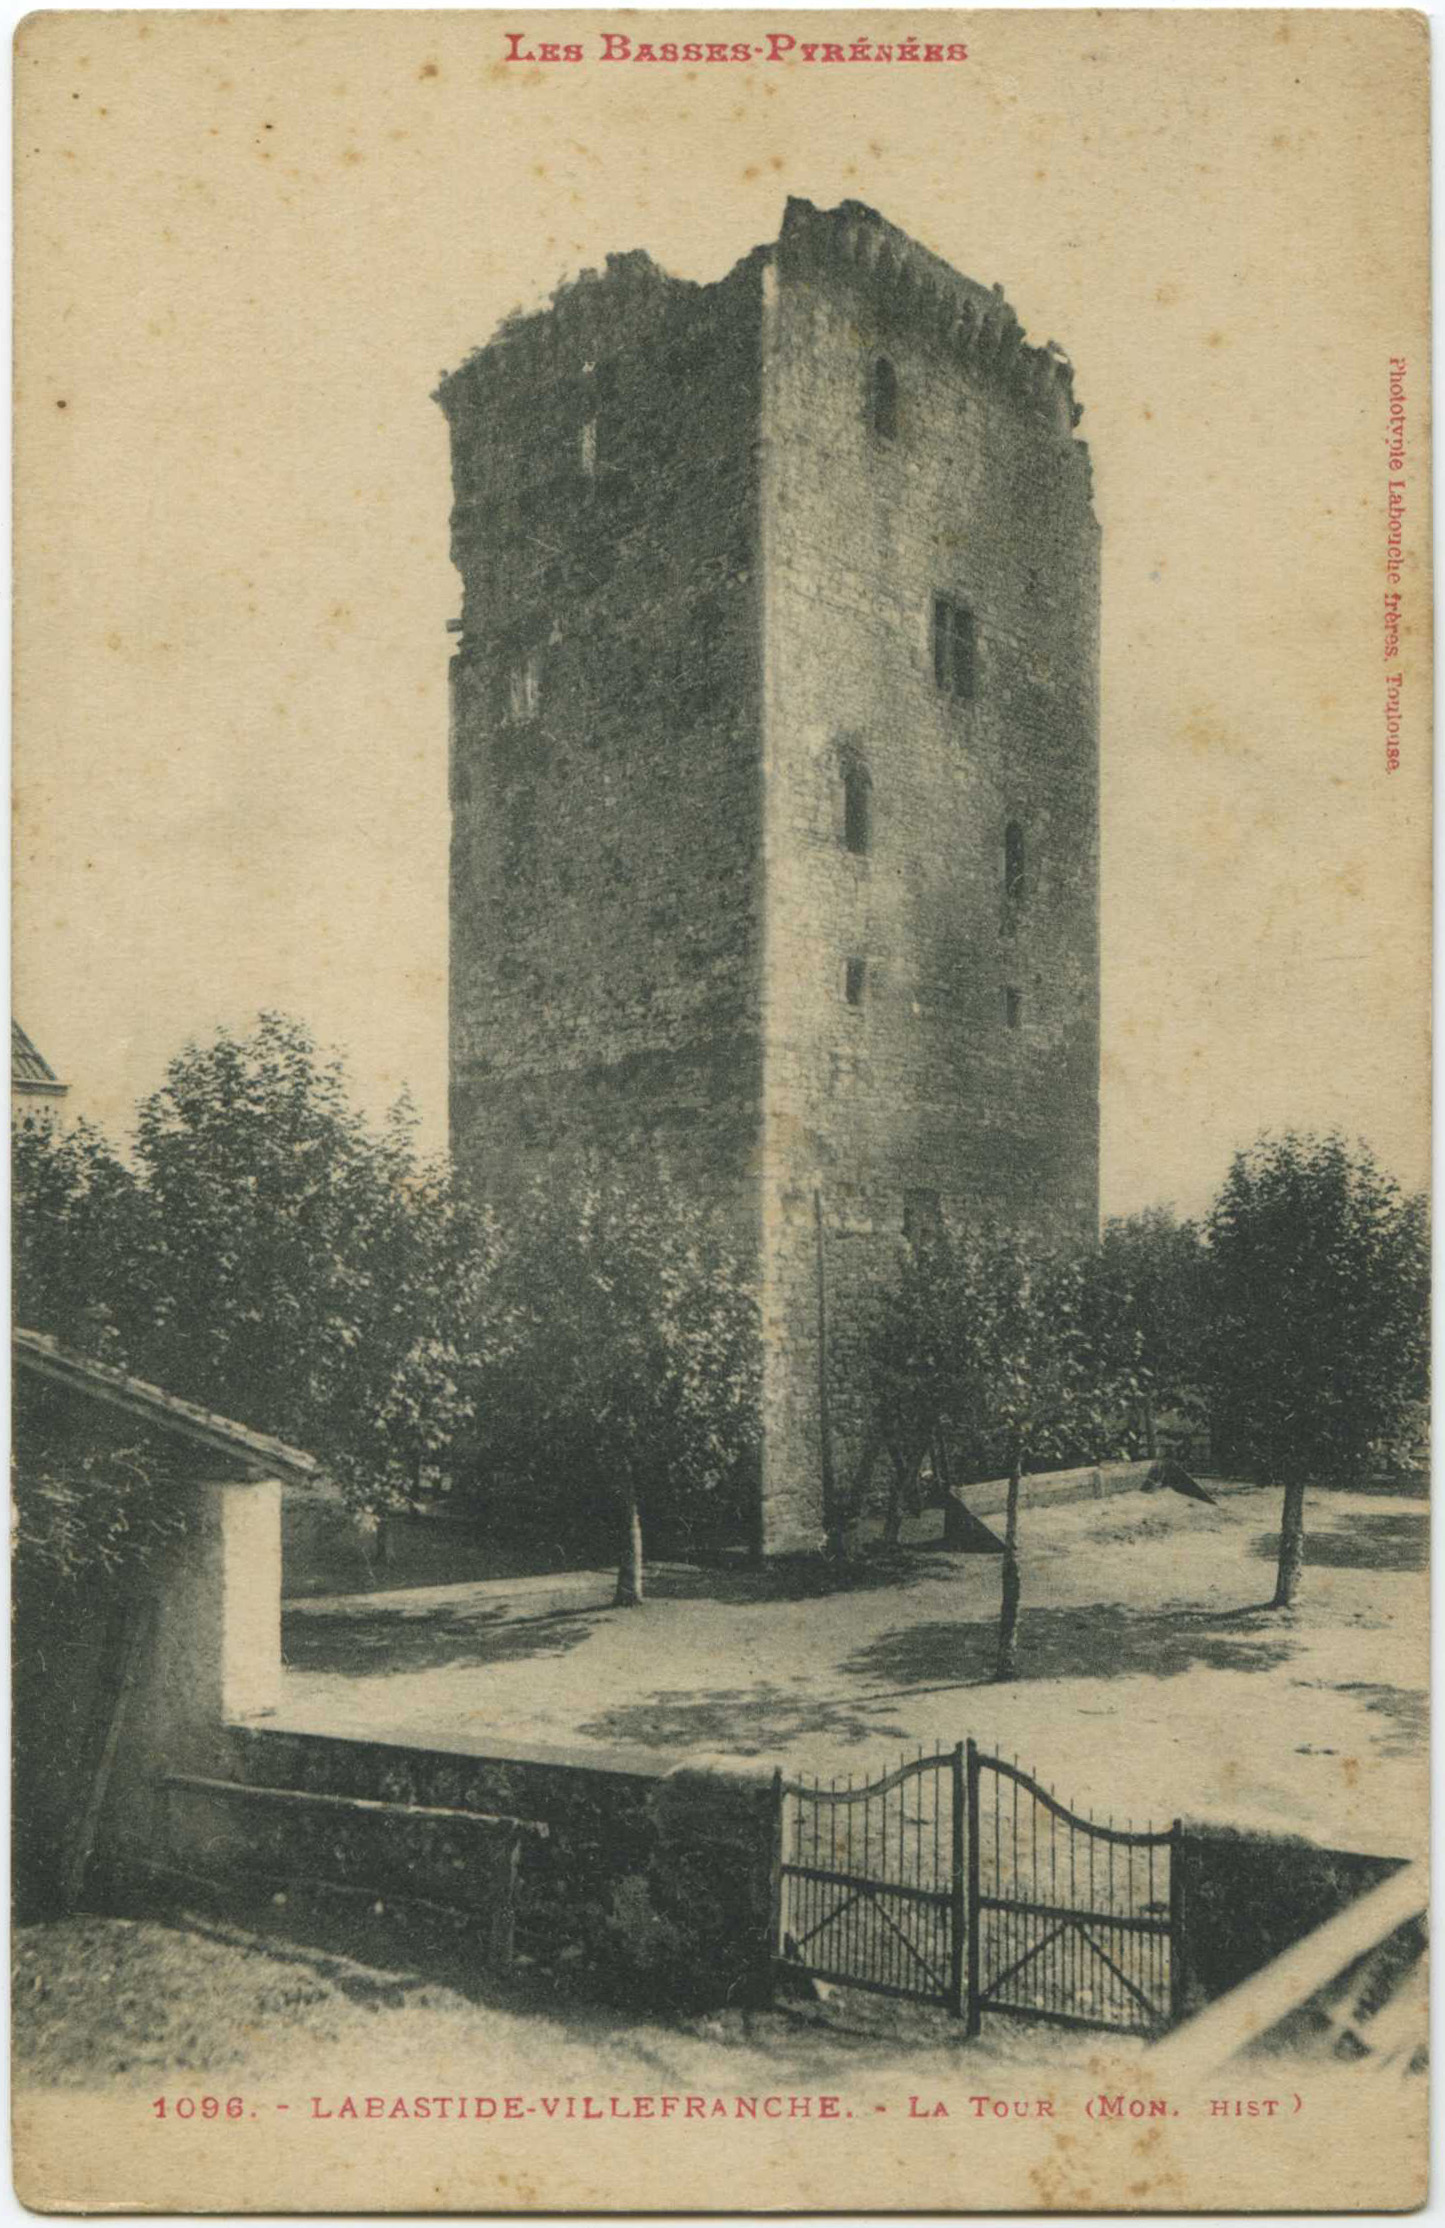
[
  {"x": 502, "y": 1918},
  {"x": 138, "y": 1625},
  {"x": 975, "y": 2008},
  {"x": 959, "y": 1906},
  {"x": 777, "y": 1881},
  {"x": 1178, "y": 1957},
  {"x": 832, "y": 1516}
]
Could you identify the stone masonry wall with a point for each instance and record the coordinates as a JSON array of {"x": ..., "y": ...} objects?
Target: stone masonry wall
[
  {"x": 1247, "y": 1897},
  {"x": 653, "y": 1882},
  {"x": 922, "y": 1086},
  {"x": 605, "y": 897}
]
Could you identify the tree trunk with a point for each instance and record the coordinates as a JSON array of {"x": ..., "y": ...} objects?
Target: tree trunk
[
  {"x": 629, "y": 1568},
  {"x": 893, "y": 1519},
  {"x": 1151, "y": 1439},
  {"x": 1291, "y": 1546},
  {"x": 1008, "y": 1616},
  {"x": 902, "y": 1492},
  {"x": 1008, "y": 1620},
  {"x": 943, "y": 1478},
  {"x": 913, "y": 1478}
]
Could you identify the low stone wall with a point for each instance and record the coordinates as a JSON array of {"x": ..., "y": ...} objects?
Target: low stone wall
[
  {"x": 652, "y": 1883},
  {"x": 1057, "y": 1488},
  {"x": 326, "y": 1548},
  {"x": 623, "y": 1878},
  {"x": 1249, "y": 1896}
]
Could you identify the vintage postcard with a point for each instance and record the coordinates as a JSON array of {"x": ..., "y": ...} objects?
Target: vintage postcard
[{"x": 721, "y": 1110}]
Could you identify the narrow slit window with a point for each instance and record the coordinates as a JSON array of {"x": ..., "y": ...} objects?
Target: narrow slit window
[
  {"x": 855, "y": 974},
  {"x": 922, "y": 1216},
  {"x": 954, "y": 648},
  {"x": 1013, "y": 1009},
  {"x": 589, "y": 450},
  {"x": 524, "y": 689},
  {"x": 1013, "y": 863},
  {"x": 857, "y": 809},
  {"x": 883, "y": 399}
]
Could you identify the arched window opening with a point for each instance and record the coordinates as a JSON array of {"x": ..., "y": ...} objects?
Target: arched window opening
[
  {"x": 857, "y": 809},
  {"x": 883, "y": 399},
  {"x": 1013, "y": 863}
]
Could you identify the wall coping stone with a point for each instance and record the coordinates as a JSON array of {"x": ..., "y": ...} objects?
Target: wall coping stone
[
  {"x": 633, "y": 1763},
  {"x": 1222, "y": 1831}
]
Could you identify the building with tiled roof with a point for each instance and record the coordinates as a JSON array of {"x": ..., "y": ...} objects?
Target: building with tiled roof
[{"x": 36, "y": 1091}]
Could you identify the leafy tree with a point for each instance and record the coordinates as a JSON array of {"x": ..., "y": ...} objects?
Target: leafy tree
[
  {"x": 915, "y": 1384},
  {"x": 1035, "y": 1380},
  {"x": 305, "y": 1272},
  {"x": 626, "y": 1362},
  {"x": 1318, "y": 1290},
  {"x": 86, "y": 1505},
  {"x": 271, "y": 1256},
  {"x": 96, "y": 1502},
  {"x": 78, "y": 1217},
  {"x": 1143, "y": 1302},
  {"x": 990, "y": 1333}
]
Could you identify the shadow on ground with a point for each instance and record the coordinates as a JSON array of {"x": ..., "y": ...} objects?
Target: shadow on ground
[
  {"x": 1407, "y": 1709},
  {"x": 1367, "y": 1539},
  {"x": 368, "y": 1640},
  {"x": 1087, "y": 1642},
  {"x": 739, "y": 1721},
  {"x": 362, "y": 1635},
  {"x": 1092, "y": 1641}
]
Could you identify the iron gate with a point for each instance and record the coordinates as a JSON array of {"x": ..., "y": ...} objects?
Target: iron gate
[
  {"x": 1068, "y": 1920},
  {"x": 960, "y": 1880},
  {"x": 872, "y": 1878}
]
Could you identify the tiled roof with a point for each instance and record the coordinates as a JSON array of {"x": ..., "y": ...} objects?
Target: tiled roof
[
  {"x": 29, "y": 1069},
  {"x": 256, "y": 1454}
]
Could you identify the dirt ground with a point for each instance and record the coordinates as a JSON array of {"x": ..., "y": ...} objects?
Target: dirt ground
[
  {"x": 1153, "y": 1681},
  {"x": 129, "y": 2003}
]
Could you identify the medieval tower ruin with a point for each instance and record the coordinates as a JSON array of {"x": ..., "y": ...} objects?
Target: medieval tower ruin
[{"x": 774, "y": 771}]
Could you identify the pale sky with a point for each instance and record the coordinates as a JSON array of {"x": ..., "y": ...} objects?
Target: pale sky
[{"x": 250, "y": 244}]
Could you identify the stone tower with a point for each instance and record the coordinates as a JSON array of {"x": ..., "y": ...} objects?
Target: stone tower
[{"x": 774, "y": 771}]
